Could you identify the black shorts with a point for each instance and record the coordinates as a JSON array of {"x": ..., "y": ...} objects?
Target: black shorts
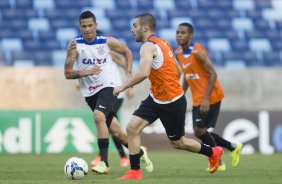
[
  {"x": 117, "y": 106},
  {"x": 206, "y": 120},
  {"x": 172, "y": 115},
  {"x": 103, "y": 101}
]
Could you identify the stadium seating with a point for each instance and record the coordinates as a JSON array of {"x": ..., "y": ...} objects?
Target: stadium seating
[
  {"x": 237, "y": 33},
  {"x": 38, "y": 24},
  {"x": 63, "y": 35},
  {"x": 43, "y": 4},
  {"x": 22, "y": 63}
]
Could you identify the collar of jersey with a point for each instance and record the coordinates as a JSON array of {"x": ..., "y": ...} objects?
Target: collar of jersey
[
  {"x": 189, "y": 49},
  {"x": 154, "y": 34},
  {"x": 98, "y": 40}
]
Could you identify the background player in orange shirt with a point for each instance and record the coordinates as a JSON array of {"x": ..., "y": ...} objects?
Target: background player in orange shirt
[
  {"x": 206, "y": 90},
  {"x": 166, "y": 100}
]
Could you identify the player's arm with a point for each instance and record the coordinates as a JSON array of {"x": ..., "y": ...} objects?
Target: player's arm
[
  {"x": 208, "y": 67},
  {"x": 71, "y": 57},
  {"x": 120, "y": 48},
  {"x": 179, "y": 69},
  {"x": 130, "y": 93},
  {"x": 118, "y": 59},
  {"x": 185, "y": 84},
  {"x": 146, "y": 61}
]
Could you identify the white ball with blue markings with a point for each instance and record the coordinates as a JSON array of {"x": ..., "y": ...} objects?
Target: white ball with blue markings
[{"x": 76, "y": 168}]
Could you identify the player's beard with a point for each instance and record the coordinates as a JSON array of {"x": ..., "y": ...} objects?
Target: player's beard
[{"x": 138, "y": 37}]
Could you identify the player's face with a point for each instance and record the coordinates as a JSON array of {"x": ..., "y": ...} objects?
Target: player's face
[
  {"x": 88, "y": 29},
  {"x": 137, "y": 30},
  {"x": 183, "y": 35}
]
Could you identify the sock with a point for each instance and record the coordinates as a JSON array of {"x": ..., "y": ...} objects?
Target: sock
[
  {"x": 141, "y": 152},
  {"x": 207, "y": 139},
  {"x": 103, "y": 145},
  {"x": 126, "y": 145},
  {"x": 206, "y": 150},
  {"x": 222, "y": 142},
  {"x": 135, "y": 161},
  {"x": 119, "y": 148}
]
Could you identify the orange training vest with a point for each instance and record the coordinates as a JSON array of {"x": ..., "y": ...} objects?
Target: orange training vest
[
  {"x": 164, "y": 80},
  {"x": 197, "y": 77}
]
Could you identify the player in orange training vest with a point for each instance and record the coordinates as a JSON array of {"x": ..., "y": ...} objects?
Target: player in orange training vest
[
  {"x": 206, "y": 90},
  {"x": 166, "y": 100}
]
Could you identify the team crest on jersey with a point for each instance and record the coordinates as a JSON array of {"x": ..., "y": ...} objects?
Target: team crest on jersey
[{"x": 101, "y": 50}]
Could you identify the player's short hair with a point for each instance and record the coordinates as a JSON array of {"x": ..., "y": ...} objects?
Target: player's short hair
[
  {"x": 188, "y": 25},
  {"x": 99, "y": 32},
  {"x": 87, "y": 14},
  {"x": 149, "y": 19}
]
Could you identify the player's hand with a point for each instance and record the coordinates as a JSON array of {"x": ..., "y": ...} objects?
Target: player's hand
[
  {"x": 130, "y": 93},
  {"x": 71, "y": 48},
  {"x": 205, "y": 107},
  {"x": 94, "y": 70},
  {"x": 117, "y": 90}
]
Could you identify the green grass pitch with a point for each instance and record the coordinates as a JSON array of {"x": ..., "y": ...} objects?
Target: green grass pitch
[{"x": 177, "y": 167}]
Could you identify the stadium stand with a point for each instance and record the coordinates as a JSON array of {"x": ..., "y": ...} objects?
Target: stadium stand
[{"x": 237, "y": 33}]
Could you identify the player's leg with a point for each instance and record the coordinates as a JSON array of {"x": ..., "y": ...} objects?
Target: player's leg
[
  {"x": 134, "y": 128},
  {"x": 201, "y": 123},
  {"x": 173, "y": 119},
  {"x": 103, "y": 117},
  {"x": 117, "y": 133},
  {"x": 210, "y": 122},
  {"x": 119, "y": 147},
  {"x": 235, "y": 149},
  {"x": 214, "y": 153},
  {"x": 122, "y": 137},
  {"x": 119, "y": 137},
  {"x": 102, "y": 134},
  {"x": 92, "y": 101},
  {"x": 124, "y": 161},
  {"x": 141, "y": 118}
]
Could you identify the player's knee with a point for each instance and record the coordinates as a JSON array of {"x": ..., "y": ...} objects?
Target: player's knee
[
  {"x": 117, "y": 135},
  {"x": 176, "y": 144},
  {"x": 131, "y": 130},
  {"x": 121, "y": 137},
  {"x": 99, "y": 117}
]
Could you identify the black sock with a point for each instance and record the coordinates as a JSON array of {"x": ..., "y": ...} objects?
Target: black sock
[
  {"x": 206, "y": 150},
  {"x": 141, "y": 152},
  {"x": 103, "y": 145},
  {"x": 222, "y": 142},
  {"x": 126, "y": 145},
  {"x": 119, "y": 147},
  {"x": 135, "y": 161},
  {"x": 207, "y": 139}
]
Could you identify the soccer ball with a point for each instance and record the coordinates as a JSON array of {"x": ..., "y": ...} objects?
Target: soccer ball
[{"x": 76, "y": 168}]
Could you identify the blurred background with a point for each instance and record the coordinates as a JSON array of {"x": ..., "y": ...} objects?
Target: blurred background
[
  {"x": 243, "y": 38},
  {"x": 237, "y": 33}
]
